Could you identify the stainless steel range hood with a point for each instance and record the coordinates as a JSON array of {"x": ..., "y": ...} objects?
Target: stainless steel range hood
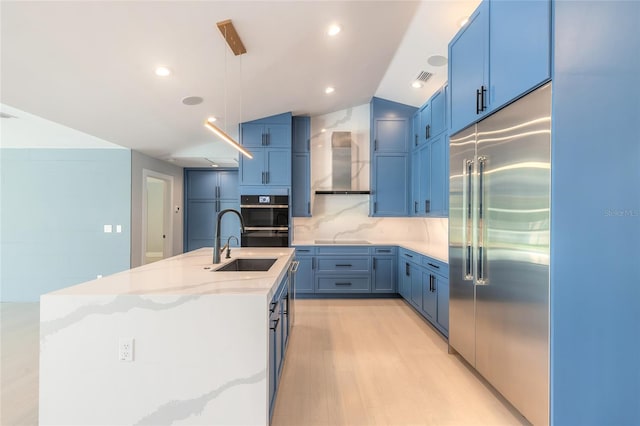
[{"x": 341, "y": 165}]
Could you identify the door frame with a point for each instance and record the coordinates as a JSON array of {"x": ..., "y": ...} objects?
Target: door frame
[{"x": 167, "y": 217}]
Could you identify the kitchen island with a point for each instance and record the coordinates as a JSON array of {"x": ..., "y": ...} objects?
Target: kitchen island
[{"x": 198, "y": 341}]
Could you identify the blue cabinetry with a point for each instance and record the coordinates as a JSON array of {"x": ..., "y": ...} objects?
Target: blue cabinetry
[
  {"x": 301, "y": 168},
  {"x": 383, "y": 265},
  {"x": 390, "y": 184},
  {"x": 269, "y": 140},
  {"x": 424, "y": 283},
  {"x": 278, "y": 337},
  {"x": 501, "y": 53},
  {"x": 429, "y": 159},
  {"x": 207, "y": 192},
  {"x": 391, "y": 137}
]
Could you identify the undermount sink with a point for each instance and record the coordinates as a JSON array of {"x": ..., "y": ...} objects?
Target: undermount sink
[{"x": 243, "y": 265}]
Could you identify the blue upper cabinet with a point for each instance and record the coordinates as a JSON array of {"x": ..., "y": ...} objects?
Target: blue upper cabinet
[
  {"x": 416, "y": 128},
  {"x": 301, "y": 168},
  {"x": 301, "y": 138},
  {"x": 392, "y": 126},
  {"x": 469, "y": 68},
  {"x": 519, "y": 53},
  {"x": 503, "y": 52},
  {"x": 438, "y": 113},
  {"x": 269, "y": 140},
  {"x": 425, "y": 123},
  {"x": 391, "y": 135},
  {"x": 438, "y": 194},
  {"x": 391, "y": 183}
]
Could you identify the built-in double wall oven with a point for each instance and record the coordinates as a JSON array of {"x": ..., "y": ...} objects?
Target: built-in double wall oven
[{"x": 266, "y": 220}]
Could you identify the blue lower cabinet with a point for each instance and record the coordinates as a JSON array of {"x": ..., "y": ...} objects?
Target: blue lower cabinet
[
  {"x": 424, "y": 283},
  {"x": 343, "y": 265},
  {"x": 343, "y": 284},
  {"x": 415, "y": 274},
  {"x": 383, "y": 274},
  {"x": 442, "y": 285},
  {"x": 278, "y": 337},
  {"x": 429, "y": 296},
  {"x": 304, "y": 276}
]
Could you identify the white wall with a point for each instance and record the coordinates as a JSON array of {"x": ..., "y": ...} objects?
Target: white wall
[{"x": 140, "y": 162}]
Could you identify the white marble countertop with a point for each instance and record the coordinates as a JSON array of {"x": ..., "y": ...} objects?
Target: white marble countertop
[
  {"x": 436, "y": 251},
  {"x": 191, "y": 273}
]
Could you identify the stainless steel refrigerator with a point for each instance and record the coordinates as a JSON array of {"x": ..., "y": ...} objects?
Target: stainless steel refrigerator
[{"x": 500, "y": 176}]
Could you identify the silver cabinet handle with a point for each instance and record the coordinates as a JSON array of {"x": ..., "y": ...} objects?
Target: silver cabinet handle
[
  {"x": 468, "y": 218},
  {"x": 480, "y": 271}
]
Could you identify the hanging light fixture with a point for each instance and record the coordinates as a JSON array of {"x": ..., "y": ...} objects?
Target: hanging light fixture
[{"x": 237, "y": 47}]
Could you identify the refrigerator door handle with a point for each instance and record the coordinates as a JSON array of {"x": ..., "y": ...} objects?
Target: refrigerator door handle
[
  {"x": 468, "y": 221},
  {"x": 480, "y": 270}
]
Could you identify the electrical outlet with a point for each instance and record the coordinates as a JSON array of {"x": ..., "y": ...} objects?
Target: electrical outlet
[{"x": 125, "y": 350}]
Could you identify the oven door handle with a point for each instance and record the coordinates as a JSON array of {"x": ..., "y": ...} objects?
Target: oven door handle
[
  {"x": 264, "y": 206},
  {"x": 266, "y": 228}
]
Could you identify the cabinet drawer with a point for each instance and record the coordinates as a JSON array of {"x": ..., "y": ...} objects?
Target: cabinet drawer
[
  {"x": 385, "y": 250},
  {"x": 436, "y": 266},
  {"x": 343, "y": 264},
  {"x": 305, "y": 250},
  {"x": 343, "y": 250},
  {"x": 409, "y": 256},
  {"x": 346, "y": 284}
]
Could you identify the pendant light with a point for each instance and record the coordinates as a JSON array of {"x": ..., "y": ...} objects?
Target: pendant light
[{"x": 237, "y": 47}]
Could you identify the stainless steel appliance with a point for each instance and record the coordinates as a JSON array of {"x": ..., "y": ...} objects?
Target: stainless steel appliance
[
  {"x": 500, "y": 175},
  {"x": 266, "y": 220}
]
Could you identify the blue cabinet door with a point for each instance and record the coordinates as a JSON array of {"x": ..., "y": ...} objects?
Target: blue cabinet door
[
  {"x": 414, "y": 203},
  {"x": 384, "y": 274},
  {"x": 520, "y": 55},
  {"x": 404, "y": 280},
  {"x": 200, "y": 224},
  {"x": 300, "y": 185},
  {"x": 252, "y": 169},
  {"x": 442, "y": 286},
  {"x": 438, "y": 113},
  {"x": 429, "y": 296},
  {"x": 415, "y": 274},
  {"x": 301, "y": 129},
  {"x": 391, "y": 135},
  {"x": 278, "y": 167},
  {"x": 390, "y": 185},
  {"x": 468, "y": 68},
  {"x": 230, "y": 224},
  {"x": 304, "y": 276},
  {"x": 425, "y": 123},
  {"x": 201, "y": 184},
  {"x": 272, "y": 366},
  {"x": 424, "y": 197},
  {"x": 252, "y": 135},
  {"x": 278, "y": 135},
  {"x": 416, "y": 128},
  {"x": 228, "y": 185},
  {"x": 438, "y": 176}
]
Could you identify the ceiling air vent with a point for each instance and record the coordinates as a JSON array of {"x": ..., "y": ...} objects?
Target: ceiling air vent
[
  {"x": 424, "y": 76},
  {"x": 5, "y": 115}
]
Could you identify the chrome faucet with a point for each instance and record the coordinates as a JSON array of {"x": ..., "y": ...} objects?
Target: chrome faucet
[
  {"x": 216, "y": 246},
  {"x": 228, "y": 246}
]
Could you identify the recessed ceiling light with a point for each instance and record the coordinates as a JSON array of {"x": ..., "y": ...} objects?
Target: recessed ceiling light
[
  {"x": 329, "y": 90},
  {"x": 334, "y": 29},
  {"x": 416, "y": 85},
  {"x": 192, "y": 100},
  {"x": 437, "y": 60},
  {"x": 462, "y": 22},
  {"x": 163, "y": 72},
  {"x": 323, "y": 130},
  {"x": 212, "y": 119}
]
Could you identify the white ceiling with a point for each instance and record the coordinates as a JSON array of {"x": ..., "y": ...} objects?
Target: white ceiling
[{"x": 89, "y": 65}]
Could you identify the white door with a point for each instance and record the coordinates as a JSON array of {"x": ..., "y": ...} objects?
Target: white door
[{"x": 156, "y": 220}]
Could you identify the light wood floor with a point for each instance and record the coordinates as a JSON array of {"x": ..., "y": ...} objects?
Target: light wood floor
[
  {"x": 376, "y": 362},
  {"x": 349, "y": 362}
]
